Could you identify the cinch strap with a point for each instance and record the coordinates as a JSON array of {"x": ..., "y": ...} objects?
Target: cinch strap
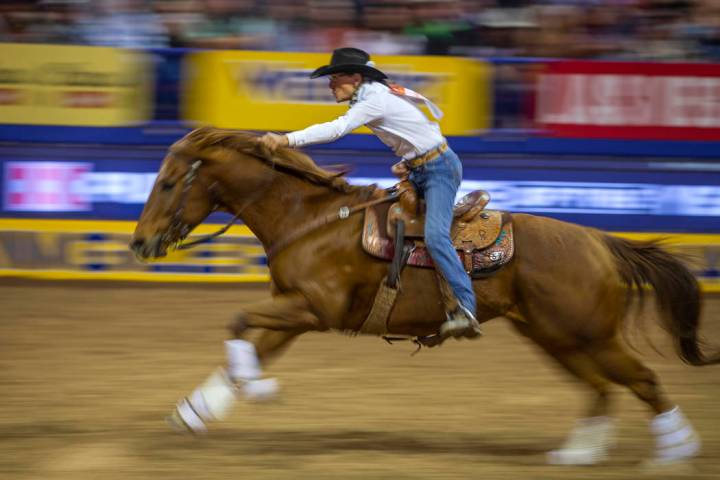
[{"x": 416, "y": 97}]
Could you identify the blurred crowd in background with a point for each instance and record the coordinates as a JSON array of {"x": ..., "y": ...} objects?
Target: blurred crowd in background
[{"x": 673, "y": 30}]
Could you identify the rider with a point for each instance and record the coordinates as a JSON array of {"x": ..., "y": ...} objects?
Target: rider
[{"x": 435, "y": 170}]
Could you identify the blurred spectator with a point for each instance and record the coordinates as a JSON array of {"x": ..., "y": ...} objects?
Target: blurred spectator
[
  {"x": 441, "y": 23},
  {"x": 623, "y": 29},
  {"x": 123, "y": 23},
  {"x": 702, "y": 28},
  {"x": 230, "y": 24},
  {"x": 51, "y": 21},
  {"x": 177, "y": 17}
]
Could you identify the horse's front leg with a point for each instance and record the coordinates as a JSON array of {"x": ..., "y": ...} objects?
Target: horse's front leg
[
  {"x": 287, "y": 313},
  {"x": 252, "y": 346}
]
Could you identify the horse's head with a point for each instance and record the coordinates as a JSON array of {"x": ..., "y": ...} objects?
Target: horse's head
[
  {"x": 180, "y": 199},
  {"x": 212, "y": 168}
]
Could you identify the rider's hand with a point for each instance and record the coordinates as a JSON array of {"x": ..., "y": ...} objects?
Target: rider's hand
[
  {"x": 400, "y": 169},
  {"x": 272, "y": 141}
]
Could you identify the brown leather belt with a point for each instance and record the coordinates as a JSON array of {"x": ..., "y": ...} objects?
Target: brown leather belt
[{"x": 426, "y": 157}]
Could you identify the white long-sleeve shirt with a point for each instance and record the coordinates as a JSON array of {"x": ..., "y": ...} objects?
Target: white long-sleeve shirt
[{"x": 397, "y": 122}]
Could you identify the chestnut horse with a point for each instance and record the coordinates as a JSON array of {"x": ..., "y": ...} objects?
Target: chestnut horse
[{"x": 568, "y": 287}]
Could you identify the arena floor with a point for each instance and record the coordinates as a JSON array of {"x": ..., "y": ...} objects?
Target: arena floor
[{"x": 87, "y": 373}]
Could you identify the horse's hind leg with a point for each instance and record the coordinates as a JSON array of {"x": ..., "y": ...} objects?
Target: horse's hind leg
[
  {"x": 675, "y": 438},
  {"x": 623, "y": 369},
  {"x": 591, "y": 437}
]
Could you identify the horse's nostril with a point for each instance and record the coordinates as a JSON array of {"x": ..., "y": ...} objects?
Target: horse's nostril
[{"x": 137, "y": 244}]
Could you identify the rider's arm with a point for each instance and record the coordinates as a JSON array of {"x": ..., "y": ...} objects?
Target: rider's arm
[{"x": 362, "y": 112}]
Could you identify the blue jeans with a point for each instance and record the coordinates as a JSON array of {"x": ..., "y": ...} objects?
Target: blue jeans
[{"x": 438, "y": 182}]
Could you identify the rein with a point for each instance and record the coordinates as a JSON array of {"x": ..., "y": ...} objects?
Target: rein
[
  {"x": 207, "y": 238},
  {"x": 182, "y": 229},
  {"x": 342, "y": 213}
]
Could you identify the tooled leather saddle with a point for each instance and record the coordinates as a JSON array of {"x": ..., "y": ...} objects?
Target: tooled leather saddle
[{"x": 482, "y": 238}]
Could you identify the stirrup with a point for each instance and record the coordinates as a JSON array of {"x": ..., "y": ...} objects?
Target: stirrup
[{"x": 461, "y": 324}]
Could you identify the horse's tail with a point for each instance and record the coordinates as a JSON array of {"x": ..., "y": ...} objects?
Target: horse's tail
[{"x": 677, "y": 292}]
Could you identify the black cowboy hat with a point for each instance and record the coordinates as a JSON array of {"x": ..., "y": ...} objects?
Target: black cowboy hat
[{"x": 350, "y": 60}]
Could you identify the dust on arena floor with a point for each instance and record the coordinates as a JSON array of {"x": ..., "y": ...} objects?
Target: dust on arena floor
[{"x": 88, "y": 372}]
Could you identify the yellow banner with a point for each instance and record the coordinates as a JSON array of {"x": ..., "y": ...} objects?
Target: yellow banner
[
  {"x": 74, "y": 85},
  {"x": 273, "y": 91},
  {"x": 98, "y": 250}
]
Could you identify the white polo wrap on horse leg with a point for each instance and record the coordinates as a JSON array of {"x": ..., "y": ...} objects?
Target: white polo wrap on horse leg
[
  {"x": 211, "y": 401},
  {"x": 185, "y": 417},
  {"x": 243, "y": 363},
  {"x": 675, "y": 438},
  {"x": 260, "y": 390},
  {"x": 587, "y": 444},
  {"x": 244, "y": 369}
]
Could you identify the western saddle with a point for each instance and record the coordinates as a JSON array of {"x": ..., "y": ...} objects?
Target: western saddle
[
  {"x": 395, "y": 232},
  {"x": 483, "y": 238}
]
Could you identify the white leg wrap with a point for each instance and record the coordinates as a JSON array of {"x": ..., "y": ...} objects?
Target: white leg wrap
[
  {"x": 214, "y": 398},
  {"x": 260, "y": 390},
  {"x": 675, "y": 438},
  {"x": 243, "y": 363},
  {"x": 211, "y": 401},
  {"x": 587, "y": 443},
  {"x": 185, "y": 417}
]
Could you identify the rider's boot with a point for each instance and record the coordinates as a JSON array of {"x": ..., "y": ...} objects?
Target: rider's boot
[{"x": 460, "y": 323}]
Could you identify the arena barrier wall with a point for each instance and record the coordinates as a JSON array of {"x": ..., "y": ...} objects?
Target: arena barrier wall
[
  {"x": 273, "y": 91},
  {"x": 74, "y": 85},
  {"x": 98, "y": 250}
]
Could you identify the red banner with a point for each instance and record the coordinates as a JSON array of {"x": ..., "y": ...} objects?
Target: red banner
[{"x": 660, "y": 101}]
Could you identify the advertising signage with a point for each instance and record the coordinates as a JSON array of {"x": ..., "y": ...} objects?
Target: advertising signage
[
  {"x": 629, "y": 100},
  {"x": 617, "y": 200}
]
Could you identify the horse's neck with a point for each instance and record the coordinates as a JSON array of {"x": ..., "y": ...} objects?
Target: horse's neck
[{"x": 287, "y": 205}]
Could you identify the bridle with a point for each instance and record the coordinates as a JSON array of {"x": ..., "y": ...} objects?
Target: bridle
[{"x": 178, "y": 229}]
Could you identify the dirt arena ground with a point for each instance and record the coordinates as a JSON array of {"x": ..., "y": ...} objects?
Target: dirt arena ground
[{"x": 87, "y": 373}]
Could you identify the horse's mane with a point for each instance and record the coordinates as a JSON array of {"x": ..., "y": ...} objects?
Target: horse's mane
[{"x": 288, "y": 159}]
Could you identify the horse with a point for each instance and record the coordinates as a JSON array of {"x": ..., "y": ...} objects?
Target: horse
[{"x": 568, "y": 288}]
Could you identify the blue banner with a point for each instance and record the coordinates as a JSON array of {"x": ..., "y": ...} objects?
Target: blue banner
[{"x": 645, "y": 199}]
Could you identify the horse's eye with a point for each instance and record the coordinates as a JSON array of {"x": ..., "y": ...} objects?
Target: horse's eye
[{"x": 167, "y": 186}]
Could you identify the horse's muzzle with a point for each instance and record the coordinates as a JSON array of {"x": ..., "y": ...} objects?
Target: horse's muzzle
[{"x": 144, "y": 249}]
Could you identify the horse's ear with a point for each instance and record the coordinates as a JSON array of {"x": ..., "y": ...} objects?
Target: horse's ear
[{"x": 340, "y": 183}]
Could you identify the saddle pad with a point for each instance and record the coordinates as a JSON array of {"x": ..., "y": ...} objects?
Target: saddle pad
[{"x": 377, "y": 243}]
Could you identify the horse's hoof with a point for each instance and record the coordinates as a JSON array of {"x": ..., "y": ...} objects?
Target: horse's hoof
[
  {"x": 576, "y": 456},
  {"x": 678, "y": 457},
  {"x": 177, "y": 424},
  {"x": 668, "y": 467},
  {"x": 184, "y": 419}
]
